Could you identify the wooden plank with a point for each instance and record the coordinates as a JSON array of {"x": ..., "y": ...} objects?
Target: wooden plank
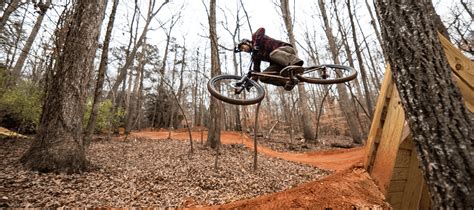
[
  {"x": 395, "y": 198},
  {"x": 460, "y": 64},
  {"x": 425, "y": 201},
  {"x": 407, "y": 144},
  {"x": 463, "y": 71},
  {"x": 397, "y": 186},
  {"x": 403, "y": 158},
  {"x": 396, "y": 206},
  {"x": 406, "y": 131},
  {"x": 400, "y": 174},
  {"x": 388, "y": 148},
  {"x": 375, "y": 126},
  {"x": 467, "y": 93},
  {"x": 414, "y": 187}
]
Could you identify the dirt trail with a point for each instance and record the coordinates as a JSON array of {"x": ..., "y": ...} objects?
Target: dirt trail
[
  {"x": 337, "y": 160},
  {"x": 349, "y": 186}
]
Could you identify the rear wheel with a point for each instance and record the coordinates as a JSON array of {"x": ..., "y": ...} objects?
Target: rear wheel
[
  {"x": 223, "y": 87},
  {"x": 327, "y": 74}
]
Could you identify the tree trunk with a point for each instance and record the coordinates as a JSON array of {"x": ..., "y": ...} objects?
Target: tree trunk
[
  {"x": 341, "y": 89},
  {"x": 214, "y": 133},
  {"x": 305, "y": 115},
  {"x": 12, "y": 6},
  {"x": 101, "y": 74},
  {"x": 128, "y": 61},
  {"x": 134, "y": 95},
  {"x": 347, "y": 49},
  {"x": 59, "y": 144},
  {"x": 16, "y": 72},
  {"x": 363, "y": 73},
  {"x": 19, "y": 31},
  {"x": 439, "y": 122}
]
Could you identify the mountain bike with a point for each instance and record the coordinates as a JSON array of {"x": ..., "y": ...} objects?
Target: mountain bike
[{"x": 242, "y": 90}]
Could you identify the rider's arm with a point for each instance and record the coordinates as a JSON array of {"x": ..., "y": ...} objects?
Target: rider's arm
[
  {"x": 256, "y": 64},
  {"x": 258, "y": 36}
]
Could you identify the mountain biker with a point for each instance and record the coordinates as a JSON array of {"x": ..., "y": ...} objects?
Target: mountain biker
[{"x": 278, "y": 53}]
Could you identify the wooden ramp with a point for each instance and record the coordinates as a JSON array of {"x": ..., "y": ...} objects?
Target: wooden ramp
[{"x": 391, "y": 158}]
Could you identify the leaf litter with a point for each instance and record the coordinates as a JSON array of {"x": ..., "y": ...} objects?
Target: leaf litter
[{"x": 149, "y": 173}]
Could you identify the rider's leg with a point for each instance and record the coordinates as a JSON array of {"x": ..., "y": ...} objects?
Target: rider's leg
[
  {"x": 273, "y": 69},
  {"x": 285, "y": 56}
]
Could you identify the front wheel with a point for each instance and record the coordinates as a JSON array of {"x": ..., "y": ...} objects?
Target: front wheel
[
  {"x": 327, "y": 74},
  {"x": 224, "y": 87}
]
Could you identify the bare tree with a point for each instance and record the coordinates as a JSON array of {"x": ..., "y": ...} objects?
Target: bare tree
[
  {"x": 440, "y": 124},
  {"x": 168, "y": 32},
  {"x": 101, "y": 74},
  {"x": 16, "y": 71},
  {"x": 305, "y": 115},
  {"x": 363, "y": 73},
  {"x": 341, "y": 89},
  {"x": 59, "y": 144},
  {"x": 12, "y": 7},
  {"x": 152, "y": 12},
  {"x": 234, "y": 33},
  {"x": 132, "y": 109},
  {"x": 213, "y": 137}
]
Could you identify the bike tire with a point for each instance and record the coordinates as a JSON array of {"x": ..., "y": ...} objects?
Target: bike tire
[
  {"x": 348, "y": 75},
  {"x": 214, "y": 88}
]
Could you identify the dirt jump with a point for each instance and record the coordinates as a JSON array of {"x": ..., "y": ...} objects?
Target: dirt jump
[{"x": 349, "y": 186}]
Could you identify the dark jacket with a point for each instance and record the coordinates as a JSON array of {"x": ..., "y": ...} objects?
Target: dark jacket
[{"x": 264, "y": 45}]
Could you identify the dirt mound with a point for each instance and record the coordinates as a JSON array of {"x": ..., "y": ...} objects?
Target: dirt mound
[{"x": 346, "y": 189}]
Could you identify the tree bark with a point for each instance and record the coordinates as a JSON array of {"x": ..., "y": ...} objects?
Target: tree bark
[
  {"x": 305, "y": 115},
  {"x": 363, "y": 73},
  {"x": 101, "y": 74},
  {"x": 214, "y": 133},
  {"x": 439, "y": 122},
  {"x": 341, "y": 89},
  {"x": 12, "y": 6},
  {"x": 134, "y": 95},
  {"x": 59, "y": 144},
  {"x": 16, "y": 72}
]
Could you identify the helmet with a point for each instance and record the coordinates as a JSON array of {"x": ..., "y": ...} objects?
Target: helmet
[{"x": 242, "y": 42}]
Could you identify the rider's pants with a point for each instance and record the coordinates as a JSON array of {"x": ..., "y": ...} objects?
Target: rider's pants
[{"x": 280, "y": 58}]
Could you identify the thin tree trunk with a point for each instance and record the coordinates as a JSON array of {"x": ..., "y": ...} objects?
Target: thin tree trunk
[
  {"x": 341, "y": 89},
  {"x": 373, "y": 22},
  {"x": 17, "y": 41},
  {"x": 59, "y": 144},
  {"x": 101, "y": 75},
  {"x": 16, "y": 72},
  {"x": 134, "y": 95},
  {"x": 214, "y": 133},
  {"x": 305, "y": 115},
  {"x": 12, "y": 6},
  {"x": 363, "y": 73},
  {"x": 347, "y": 48},
  {"x": 440, "y": 124},
  {"x": 129, "y": 59}
]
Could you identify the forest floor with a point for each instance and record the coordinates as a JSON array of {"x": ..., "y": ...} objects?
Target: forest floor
[{"x": 147, "y": 169}]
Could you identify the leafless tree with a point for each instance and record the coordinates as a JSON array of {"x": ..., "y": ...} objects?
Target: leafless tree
[
  {"x": 213, "y": 138},
  {"x": 101, "y": 74},
  {"x": 59, "y": 144},
  {"x": 344, "y": 98},
  {"x": 16, "y": 71},
  {"x": 305, "y": 115}
]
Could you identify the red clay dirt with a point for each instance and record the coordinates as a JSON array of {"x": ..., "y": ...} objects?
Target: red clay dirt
[{"x": 350, "y": 185}]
